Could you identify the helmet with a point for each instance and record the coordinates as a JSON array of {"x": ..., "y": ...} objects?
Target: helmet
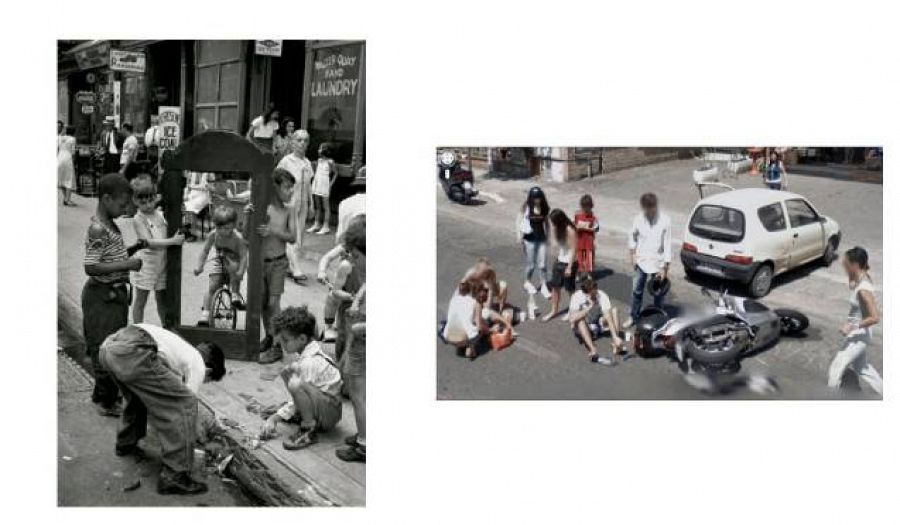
[{"x": 658, "y": 287}]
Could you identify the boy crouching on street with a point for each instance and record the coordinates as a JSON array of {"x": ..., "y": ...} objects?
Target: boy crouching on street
[{"x": 312, "y": 378}]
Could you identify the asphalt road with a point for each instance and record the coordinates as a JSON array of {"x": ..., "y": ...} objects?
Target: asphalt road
[{"x": 546, "y": 362}]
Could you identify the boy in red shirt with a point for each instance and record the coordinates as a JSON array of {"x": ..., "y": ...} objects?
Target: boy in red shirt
[{"x": 587, "y": 226}]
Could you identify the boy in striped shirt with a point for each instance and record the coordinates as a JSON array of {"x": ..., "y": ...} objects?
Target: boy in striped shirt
[{"x": 105, "y": 297}]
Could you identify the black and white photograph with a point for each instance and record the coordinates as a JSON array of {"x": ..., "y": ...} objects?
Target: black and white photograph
[
  {"x": 659, "y": 273},
  {"x": 211, "y": 273}
]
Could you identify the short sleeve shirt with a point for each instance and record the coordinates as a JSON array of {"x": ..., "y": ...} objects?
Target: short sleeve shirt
[
  {"x": 263, "y": 131},
  {"x": 106, "y": 248}
]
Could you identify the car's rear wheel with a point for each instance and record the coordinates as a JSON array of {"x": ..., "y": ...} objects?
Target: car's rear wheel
[{"x": 761, "y": 283}]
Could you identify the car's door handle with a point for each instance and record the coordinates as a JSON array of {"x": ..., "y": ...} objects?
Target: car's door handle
[{"x": 796, "y": 235}]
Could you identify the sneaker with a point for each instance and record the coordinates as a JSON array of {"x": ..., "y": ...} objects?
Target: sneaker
[
  {"x": 532, "y": 308},
  {"x": 300, "y": 440},
  {"x": 130, "y": 450},
  {"x": 114, "y": 410},
  {"x": 313, "y": 228},
  {"x": 180, "y": 483},
  {"x": 530, "y": 288},
  {"x": 237, "y": 301},
  {"x": 355, "y": 454},
  {"x": 545, "y": 291},
  {"x": 270, "y": 356},
  {"x": 565, "y": 317},
  {"x": 601, "y": 360},
  {"x": 324, "y": 231},
  {"x": 628, "y": 323}
]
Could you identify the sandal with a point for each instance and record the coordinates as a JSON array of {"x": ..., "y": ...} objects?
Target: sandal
[{"x": 300, "y": 440}]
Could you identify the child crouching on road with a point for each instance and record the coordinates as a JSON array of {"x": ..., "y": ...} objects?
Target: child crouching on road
[
  {"x": 231, "y": 258},
  {"x": 312, "y": 379}
]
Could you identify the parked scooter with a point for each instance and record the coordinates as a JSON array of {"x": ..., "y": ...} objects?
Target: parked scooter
[
  {"x": 715, "y": 334},
  {"x": 457, "y": 182}
]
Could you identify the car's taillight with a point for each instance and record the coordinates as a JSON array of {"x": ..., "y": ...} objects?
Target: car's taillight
[
  {"x": 688, "y": 247},
  {"x": 739, "y": 259}
]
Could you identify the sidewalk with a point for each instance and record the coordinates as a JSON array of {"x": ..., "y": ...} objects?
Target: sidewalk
[{"x": 315, "y": 473}]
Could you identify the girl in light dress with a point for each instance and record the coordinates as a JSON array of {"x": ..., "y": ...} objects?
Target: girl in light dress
[
  {"x": 65, "y": 150},
  {"x": 321, "y": 190}
]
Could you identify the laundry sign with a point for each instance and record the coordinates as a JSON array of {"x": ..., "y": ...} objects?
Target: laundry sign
[
  {"x": 269, "y": 48},
  {"x": 131, "y": 61}
]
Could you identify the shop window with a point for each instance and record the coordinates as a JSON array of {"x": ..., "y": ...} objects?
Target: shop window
[
  {"x": 333, "y": 99},
  {"x": 218, "y": 50},
  {"x": 220, "y": 77},
  {"x": 134, "y": 102}
]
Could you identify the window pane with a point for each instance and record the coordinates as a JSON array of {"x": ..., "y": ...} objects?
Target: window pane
[
  {"x": 772, "y": 217},
  {"x": 718, "y": 223},
  {"x": 229, "y": 82},
  {"x": 206, "y": 119},
  {"x": 334, "y": 91},
  {"x": 218, "y": 50},
  {"x": 207, "y": 86},
  {"x": 228, "y": 118},
  {"x": 800, "y": 213}
]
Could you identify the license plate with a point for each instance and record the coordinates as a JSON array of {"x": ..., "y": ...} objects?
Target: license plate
[{"x": 705, "y": 268}]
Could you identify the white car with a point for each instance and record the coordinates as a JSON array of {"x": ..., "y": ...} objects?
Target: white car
[{"x": 751, "y": 235}]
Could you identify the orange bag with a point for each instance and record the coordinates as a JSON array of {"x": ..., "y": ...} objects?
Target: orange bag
[{"x": 500, "y": 340}]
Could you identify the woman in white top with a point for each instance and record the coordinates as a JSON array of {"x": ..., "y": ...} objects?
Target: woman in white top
[
  {"x": 321, "y": 190},
  {"x": 65, "y": 149},
  {"x": 300, "y": 167},
  {"x": 465, "y": 323},
  {"x": 858, "y": 328},
  {"x": 263, "y": 128},
  {"x": 563, "y": 238}
]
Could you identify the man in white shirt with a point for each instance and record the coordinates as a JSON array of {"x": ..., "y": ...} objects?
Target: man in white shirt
[
  {"x": 108, "y": 144},
  {"x": 591, "y": 314},
  {"x": 159, "y": 374},
  {"x": 650, "y": 245},
  {"x": 312, "y": 379},
  {"x": 129, "y": 152}
]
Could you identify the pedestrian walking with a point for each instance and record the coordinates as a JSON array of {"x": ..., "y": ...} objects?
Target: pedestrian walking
[
  {"x": 775, "y": 175},
  {"x": 150, "y": 226},
  {"x": 532, "y": 226},
  {"x": 105, "y": 296},
  {"x": 109, "y": 143},
  {"x": 299, "y": 166},
  {"x": 650, "y": 248},
  {"x": 563, "y": 239},
  {"x": 263, "y": 128},
  {"x": 587, "y": 226},
  {"x": 276, "y": 233},
  {"x": 312, "y": 379},
  {"x": 159, "y": 374},
  {"x": 65, "y": 165},
  {"x": 857, "y": 329},
  {"x": 589, "y": 309},
  {"x": 127, "y": 159},
  {"x": 321, "y": 190}
]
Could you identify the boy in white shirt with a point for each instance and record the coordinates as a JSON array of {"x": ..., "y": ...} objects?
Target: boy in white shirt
[
  {"x": 590, "y": 314},
  {"x": 650, "y": 245}
]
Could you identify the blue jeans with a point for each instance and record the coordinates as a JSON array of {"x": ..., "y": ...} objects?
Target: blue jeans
[
  {"x": 639, "y": 283},
  {"x": 536, "y": 257}
]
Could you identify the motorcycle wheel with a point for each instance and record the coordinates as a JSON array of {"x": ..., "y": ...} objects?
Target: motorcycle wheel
[
  {"x": 717, "y": 356},
  {"x": 457, "y": 194},
  {"x": 792, "y": 321}
]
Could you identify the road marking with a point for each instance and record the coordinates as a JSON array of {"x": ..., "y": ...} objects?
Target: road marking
[{"x": 496, "y": 198}]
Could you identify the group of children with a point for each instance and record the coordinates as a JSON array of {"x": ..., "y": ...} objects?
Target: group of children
[{"x": 115, "y": 271}]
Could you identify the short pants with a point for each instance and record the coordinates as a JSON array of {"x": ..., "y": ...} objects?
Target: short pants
[
  {"x": 274, "y": 271},
  {"x": 558, "y": 278}
]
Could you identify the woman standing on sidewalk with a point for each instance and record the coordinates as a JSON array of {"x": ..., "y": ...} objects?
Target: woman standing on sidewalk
[
  {"x": 65, "y": 149},
  {"x": 858, "y": 328},
  {"x": 775, "y": 173},
  {"x": 564, "y": 238},
  {"x": 532, "y": 228}
]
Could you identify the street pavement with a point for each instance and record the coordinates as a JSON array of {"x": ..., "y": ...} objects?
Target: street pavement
[
  {"x": 546, "y": 362},
  {"x": 322, "y": 477}
]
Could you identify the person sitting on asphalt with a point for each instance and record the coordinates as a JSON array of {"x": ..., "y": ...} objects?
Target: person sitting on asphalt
[
  {"x": 589, "y": 308},
  {"x": 312, "y": 379},
  {"x": 465, "y": 325},
  {"x": 159, "y": 374}
]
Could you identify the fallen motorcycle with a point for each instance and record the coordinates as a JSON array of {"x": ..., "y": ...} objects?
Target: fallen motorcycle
[
  {"x": 715, "y": 334},
  {"x": 458, "y": 183}
]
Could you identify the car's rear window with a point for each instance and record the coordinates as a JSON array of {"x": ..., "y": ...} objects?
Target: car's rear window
[{"x": 717, "y": 223}]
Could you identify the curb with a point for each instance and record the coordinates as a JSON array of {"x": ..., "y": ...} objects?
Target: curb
[{"x": 260, "y": 472}]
